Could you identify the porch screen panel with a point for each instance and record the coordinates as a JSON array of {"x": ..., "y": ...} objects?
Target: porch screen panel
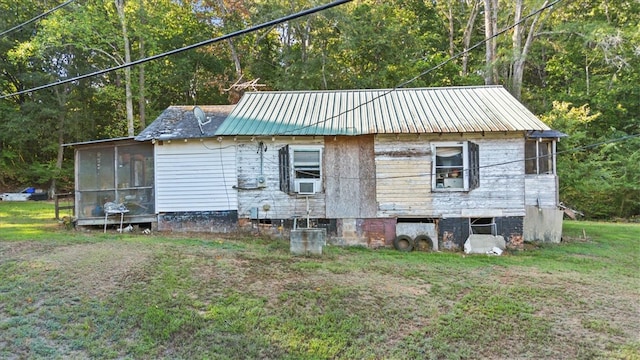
[{"x": 96, "y": 180}]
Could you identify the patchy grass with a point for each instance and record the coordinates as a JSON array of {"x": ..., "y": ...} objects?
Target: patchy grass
[{"x": 78, "y": 294}]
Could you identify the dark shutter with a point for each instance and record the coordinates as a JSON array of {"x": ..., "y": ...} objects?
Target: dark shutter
[
  {"x": 285, "y": 181},
  {"x": 474, "y": 166}
]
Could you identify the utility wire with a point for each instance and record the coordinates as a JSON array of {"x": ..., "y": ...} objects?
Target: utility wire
[
  {"x": 186, "y": 48},
  {"x": 572, "y": 150},
  {"x": 431, "y": 69},
  {"x": 36, "y": 18}
]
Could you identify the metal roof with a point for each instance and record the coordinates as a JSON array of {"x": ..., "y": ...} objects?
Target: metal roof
[
  {"x": 100, "y": 141},
  {"x": 535, "y": 134},
  {"x": 179, "y": 122},
  {"x": 380, "y": 111}
]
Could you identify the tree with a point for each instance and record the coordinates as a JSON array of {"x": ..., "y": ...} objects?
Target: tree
[
  {"x": 127, "y": 60},
  {"x": 522, "y": 42},
  {"x": 601, "y": 179}
]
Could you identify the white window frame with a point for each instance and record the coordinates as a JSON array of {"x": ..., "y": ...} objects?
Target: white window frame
[
  {"x": 317, "y": 182},
  {"x": 441, "y": 179}
]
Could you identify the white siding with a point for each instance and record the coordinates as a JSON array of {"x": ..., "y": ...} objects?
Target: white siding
[
  {"x": 281, "y": 205},
  {"x": 195, "y": 176},
  {"x": 542, "y": 190},
  {"x": 404, "y": 181}
]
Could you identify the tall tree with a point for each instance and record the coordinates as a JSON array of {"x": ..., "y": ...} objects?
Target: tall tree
[
  {"x": 522, "y": 41},
  {"x": 120, "y": 4},
  {"x": 490, "y": 29}
]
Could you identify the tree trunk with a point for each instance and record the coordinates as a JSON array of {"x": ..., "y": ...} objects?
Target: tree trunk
[
  {"x": 517, "y": 61},
  {"x": 491, "y": 25},
  {"x": 60, "y": 157},
  {"x": 519, "y": 50},
  {"x": 466, "y": 36},
  {"x": 452, "y": 30},
  {"x": 141, "y": 81},
  {"x": 141, "y": 99},
  {"x": 234, "y": 53},
  {"x": 127, "y": 70}
]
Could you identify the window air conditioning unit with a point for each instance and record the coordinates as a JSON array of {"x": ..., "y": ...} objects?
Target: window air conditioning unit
[{"x": 306, "y": 187}]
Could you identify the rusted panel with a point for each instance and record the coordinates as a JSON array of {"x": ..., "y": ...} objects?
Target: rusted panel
[
  {"x": 349, "y": 173},
  {"x": 199, "y": 221},
  {"x": 379, "y": 231},
  {"x": 448, "y": 241}
]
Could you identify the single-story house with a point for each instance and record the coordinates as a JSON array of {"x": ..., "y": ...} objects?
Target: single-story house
[{"x": 370, "y": 166}]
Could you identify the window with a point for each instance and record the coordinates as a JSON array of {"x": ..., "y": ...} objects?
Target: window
[
  {"x": 455, "y": 166},
  {"x": 301, "y": 169},
  {"x": 539, "y": 157}
]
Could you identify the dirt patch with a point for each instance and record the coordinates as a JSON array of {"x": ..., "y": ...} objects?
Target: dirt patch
[
  {"x": 22, "y": 250},
  {"x": 271, "y": 279},
  {"x": 96, "y": 270}
]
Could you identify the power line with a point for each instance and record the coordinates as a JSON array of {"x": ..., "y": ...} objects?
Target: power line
[
  {"x": 36, "y": 18},
  {"x": 425, "y": 174},
  {"x": 438, "y": 66},
  {"x": 186, "y": 48}
]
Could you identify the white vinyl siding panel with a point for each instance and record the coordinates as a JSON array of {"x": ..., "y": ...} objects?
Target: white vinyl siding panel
[{"x": 196, "y": 176}]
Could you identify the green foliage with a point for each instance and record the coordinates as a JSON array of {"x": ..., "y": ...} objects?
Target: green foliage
[
  {"x": 600, "y": 180},
  {"x": 583, "y": 53}
]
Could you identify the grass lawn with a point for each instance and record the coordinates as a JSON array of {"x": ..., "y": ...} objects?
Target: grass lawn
[{"x": 85, "y": 294}]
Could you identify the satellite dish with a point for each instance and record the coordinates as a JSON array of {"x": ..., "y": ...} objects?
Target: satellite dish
[{"x": 201, "y": 117}]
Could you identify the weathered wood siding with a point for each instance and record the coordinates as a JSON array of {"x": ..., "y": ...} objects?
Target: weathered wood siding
[
  {"x": 541, "y": 190},
  {"x": 403, "y": 176},
  {"x": 350, "y": 177},
  {"x": 195, "y": 176},
  {"x": 404, "y": 182},
  {"x": 280, "y": 205}
]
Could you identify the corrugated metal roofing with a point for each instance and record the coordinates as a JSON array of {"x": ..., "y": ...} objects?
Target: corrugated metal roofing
[
  {"x": 381, "y": 111},
  {"x": 179, "y": 122}
]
